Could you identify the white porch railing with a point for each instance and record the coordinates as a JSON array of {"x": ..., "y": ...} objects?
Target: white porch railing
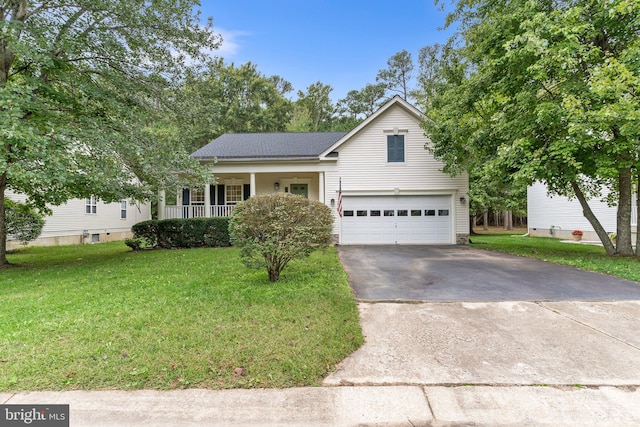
[
  {"x": 221, "y": 210},
  {"x": 196, "y": 211}
]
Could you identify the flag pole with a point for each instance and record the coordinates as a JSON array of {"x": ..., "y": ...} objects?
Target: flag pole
[{"x": 340, "y": 198}]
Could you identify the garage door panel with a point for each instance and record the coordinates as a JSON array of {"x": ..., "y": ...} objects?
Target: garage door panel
[{"x": 397, "y": 220}]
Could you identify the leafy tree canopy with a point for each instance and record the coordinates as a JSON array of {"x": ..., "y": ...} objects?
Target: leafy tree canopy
[
  {"x": 397, "y": 75},
  {"x": 546, "y": 91},
  {"x": 81, "y": 94},
  {"x": 316, "y": 107},
  {"x": 218, "y": 98},
  {"x": 23, "y": 222}
]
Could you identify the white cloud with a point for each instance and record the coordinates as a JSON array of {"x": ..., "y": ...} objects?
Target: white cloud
[{"x": 231, "y": 42}]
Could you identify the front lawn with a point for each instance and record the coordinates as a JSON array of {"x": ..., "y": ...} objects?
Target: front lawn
[
  {"x": 587, "y": 257},
  {"x": 103, "y": 317}
]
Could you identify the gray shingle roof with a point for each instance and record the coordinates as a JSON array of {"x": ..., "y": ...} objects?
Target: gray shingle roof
[{"x": 254, "y": 146}]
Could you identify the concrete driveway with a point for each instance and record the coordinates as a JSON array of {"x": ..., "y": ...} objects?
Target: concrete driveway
[
  {"x": 462, "y": 273},
  {"x": 498, "y": 343}
]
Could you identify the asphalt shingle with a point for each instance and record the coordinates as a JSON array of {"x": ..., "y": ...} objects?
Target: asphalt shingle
[{"x": 268, "y": 145}]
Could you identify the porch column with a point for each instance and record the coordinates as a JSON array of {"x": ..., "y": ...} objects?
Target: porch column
[
  {"x": 161, "y": 204},
  {"x": 207, "y": 200},
  {"x": 321, "y": 187},
  {"x": 252, "y": 184}
]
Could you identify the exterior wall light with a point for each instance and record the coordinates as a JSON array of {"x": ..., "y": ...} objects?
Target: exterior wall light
[
  {"x": 463, "y": 200},
  {"x": 276, "y": 186},
  {"x": 333, "y": 202}
]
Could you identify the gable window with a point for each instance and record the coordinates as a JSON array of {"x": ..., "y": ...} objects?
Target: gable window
[
  {"x": 395, "y": 148},
  {"x": 123, "y": 209},
  {"x": 90, "y": 205},
  {"x": 233, "y": 194}
]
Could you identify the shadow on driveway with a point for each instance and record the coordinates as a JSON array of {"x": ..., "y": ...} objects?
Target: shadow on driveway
[{"x": 462, "y": 273}]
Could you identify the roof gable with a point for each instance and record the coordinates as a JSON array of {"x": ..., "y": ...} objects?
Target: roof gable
[
  {"x": 396, "y": 100},
  {"x": 257, "y": 146}
]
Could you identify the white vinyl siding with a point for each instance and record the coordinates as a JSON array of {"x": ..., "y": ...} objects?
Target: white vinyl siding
[
  {"x": 363, "y": 167},
  {"x": 545, "y": 212},
  {"x": 69, "y": 219}
]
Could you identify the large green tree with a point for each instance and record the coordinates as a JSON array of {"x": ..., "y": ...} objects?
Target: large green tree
[
  {"x": 314, "y": 109},
  {"x": 397, "y": 76},
  {"x": 81, "y": 92},
  {"x": 359, "y": 104},
  {"x": 220, "y": 98},
  {"x": 548, "y": 91}
]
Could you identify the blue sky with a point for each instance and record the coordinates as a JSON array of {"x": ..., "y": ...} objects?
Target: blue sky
[{"x": 342, "y": 43}]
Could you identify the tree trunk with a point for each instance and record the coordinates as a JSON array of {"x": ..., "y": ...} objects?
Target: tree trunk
[
  {"x": 3, "y": 228},
  {"x": 508, "y": 220},
  {"x": 485, "y": 220},
  {"x": 623, "y": 216},
  {"x": 595, "y": 223},
  {"x": 638, "y": 216},
  {"x": 472, "y": 221}
]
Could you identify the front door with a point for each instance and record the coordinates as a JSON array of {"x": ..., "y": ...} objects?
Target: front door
[{"x": 300, "y": 190}]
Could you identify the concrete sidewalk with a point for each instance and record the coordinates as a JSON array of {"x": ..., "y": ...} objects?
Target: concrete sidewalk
[
  {"x": 348, "y": 406},
  {"x": 486, "y": 364}
]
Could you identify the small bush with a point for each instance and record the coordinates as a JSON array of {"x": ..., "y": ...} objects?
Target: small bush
[
  {"x": 23, "y": 222},
  {"x": 184, "y": 233},
  {"x": 147, "y": 231},
  {"x": 134, "y": 244},
  {"x": 273, "y": 229}
]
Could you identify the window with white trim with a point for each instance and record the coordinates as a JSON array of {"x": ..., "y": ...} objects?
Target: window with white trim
[
  {"x": 233, "y": 194},
  {"x": 197, "y": 196},
  {"x": 123, "y": 209},
  {"x": 395, "y": 148},
  {"x": 90, "y": 205}
]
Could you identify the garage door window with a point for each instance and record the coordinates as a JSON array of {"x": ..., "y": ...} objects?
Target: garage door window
[
  {"x": 388, "y": 213},
  {"x": 374, "y": 213},
  {"x": 361, "y": 213},
  {"x": 348, "y": 213},
  {"x": 416, "y": 212},
  {"x": 403, "y": 212},
  {"x": 443, "y": 212},
  {"x": 430, "y": 212}
]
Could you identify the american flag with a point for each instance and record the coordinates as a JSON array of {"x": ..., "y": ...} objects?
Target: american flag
[{"x": 340, "y": 198}]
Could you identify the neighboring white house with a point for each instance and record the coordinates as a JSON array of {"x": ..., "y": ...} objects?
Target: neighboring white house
[
  {"x": 82, "y": 221},
  {"x": 393, "y": 190},
  {"x": 557, "y": 216}
]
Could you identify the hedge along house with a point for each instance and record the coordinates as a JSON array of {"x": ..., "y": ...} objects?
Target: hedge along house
[{"x": 383, "y": 186}]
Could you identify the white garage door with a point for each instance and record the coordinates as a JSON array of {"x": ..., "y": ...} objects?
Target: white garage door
[{"x": 396, "y": 220}]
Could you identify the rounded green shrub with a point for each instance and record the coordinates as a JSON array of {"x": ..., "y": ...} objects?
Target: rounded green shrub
[{"x": 273, "y": 229}]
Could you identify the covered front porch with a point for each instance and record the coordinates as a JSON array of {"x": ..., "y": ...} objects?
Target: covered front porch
[{"x": 219, "y": 199}]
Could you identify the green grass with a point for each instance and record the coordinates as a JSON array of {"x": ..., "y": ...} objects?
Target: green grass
[
  {"x": 103, "y": 317},
  {"x": 586, "y": 257}
]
